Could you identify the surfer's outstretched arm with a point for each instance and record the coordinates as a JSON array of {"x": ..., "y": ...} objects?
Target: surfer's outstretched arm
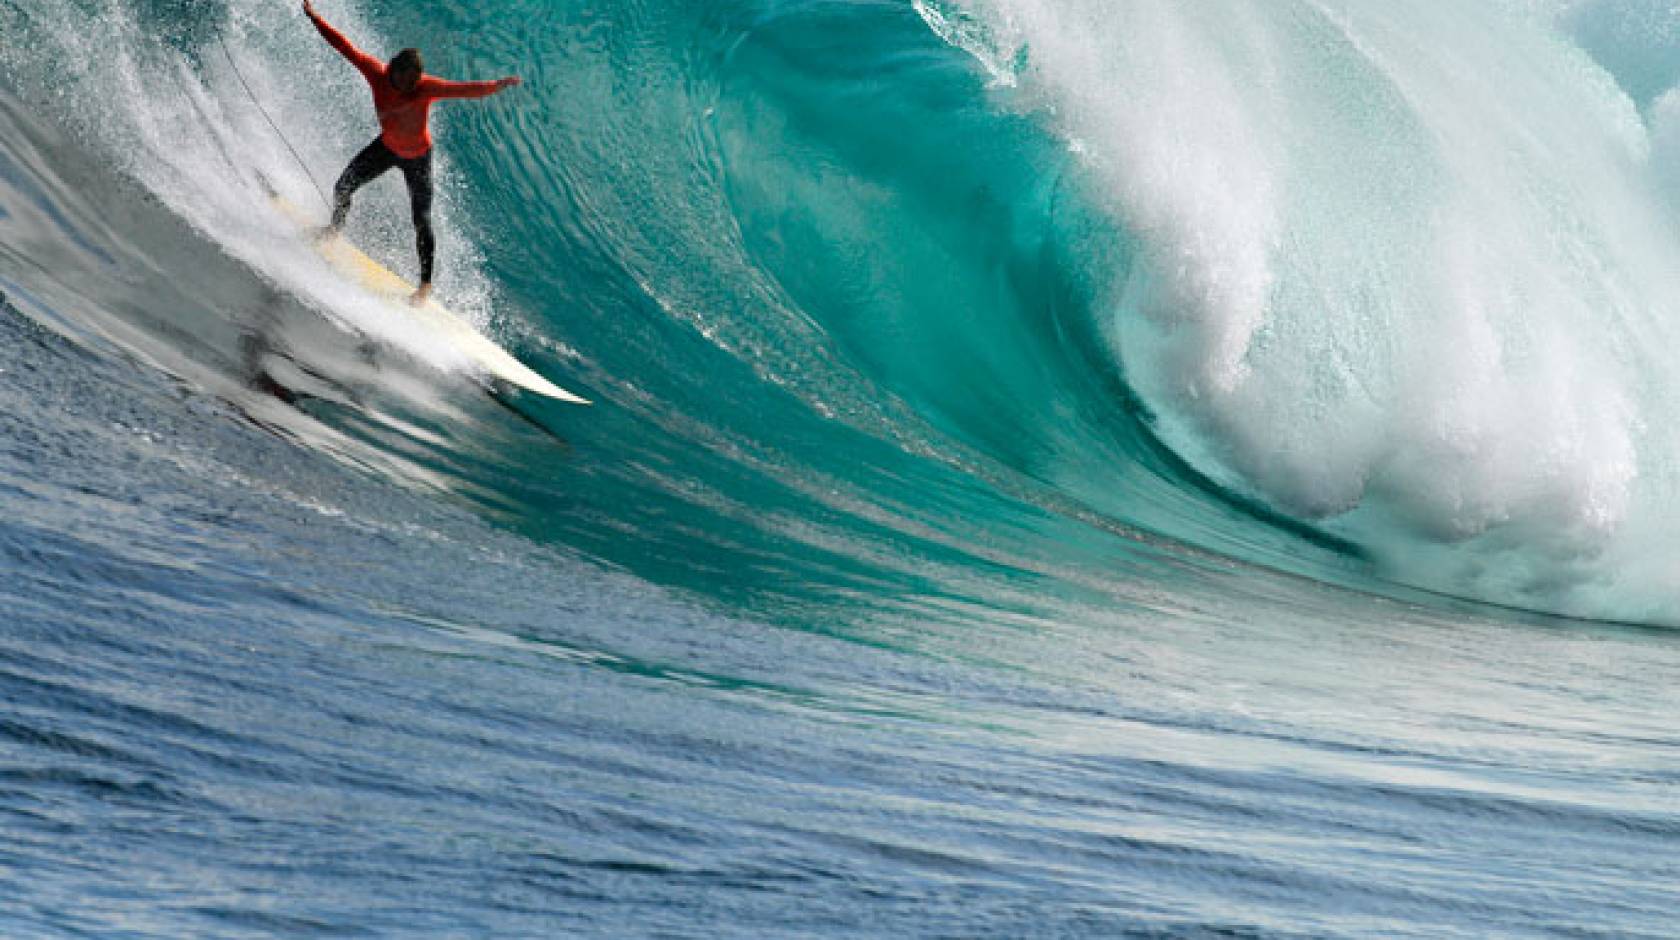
[
  {"x": 434, "y": 87},
  {"x": 364, "y": 63}
]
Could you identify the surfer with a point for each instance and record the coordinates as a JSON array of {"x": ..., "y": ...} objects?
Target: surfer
[{"x": 402, "y": 97}]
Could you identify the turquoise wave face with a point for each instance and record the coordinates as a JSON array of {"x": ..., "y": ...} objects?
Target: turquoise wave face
[{"x": 893, "y": 300}]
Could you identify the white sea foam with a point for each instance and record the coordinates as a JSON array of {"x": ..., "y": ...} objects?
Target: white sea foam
[{"x": 1403, "y": 268}]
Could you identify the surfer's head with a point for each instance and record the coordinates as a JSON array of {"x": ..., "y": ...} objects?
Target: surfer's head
[{"x": 405, "y": 70}]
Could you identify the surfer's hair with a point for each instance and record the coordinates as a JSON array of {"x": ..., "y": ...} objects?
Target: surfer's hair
[{"x": 407, "y": 60}]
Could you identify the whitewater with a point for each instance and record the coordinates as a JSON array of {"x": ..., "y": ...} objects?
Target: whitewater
[{"x": 1075, "y": 468}]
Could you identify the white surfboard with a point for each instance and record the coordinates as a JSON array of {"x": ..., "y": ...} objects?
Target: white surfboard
[{"x": 355, "y": 266}]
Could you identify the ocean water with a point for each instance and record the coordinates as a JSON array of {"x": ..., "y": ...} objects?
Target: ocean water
[{"x": 1059, "y": 468}]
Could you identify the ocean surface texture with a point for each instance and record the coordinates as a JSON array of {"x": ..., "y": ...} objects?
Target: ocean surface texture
[{"x": 1059, "y": 468}]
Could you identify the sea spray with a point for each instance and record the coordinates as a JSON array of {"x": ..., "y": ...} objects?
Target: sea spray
[{"x": 1406, "y": 272}]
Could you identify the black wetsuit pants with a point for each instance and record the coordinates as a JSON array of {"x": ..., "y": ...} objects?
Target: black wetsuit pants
[{"x": 374, "y": 160}]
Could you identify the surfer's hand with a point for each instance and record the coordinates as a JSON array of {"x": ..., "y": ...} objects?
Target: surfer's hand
[{"x": 509, "y": 82}]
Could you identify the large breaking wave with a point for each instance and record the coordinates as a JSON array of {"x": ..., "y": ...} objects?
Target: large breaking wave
[{"x": 884, "y": 299}]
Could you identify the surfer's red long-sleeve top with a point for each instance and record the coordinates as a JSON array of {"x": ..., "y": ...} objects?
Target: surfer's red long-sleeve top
[{"x": 402, "y": 116}]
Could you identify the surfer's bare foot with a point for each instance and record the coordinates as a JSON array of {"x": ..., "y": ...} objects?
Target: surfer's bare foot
[
  {"x": 325, "y": 233},
  {"x": 422, "y": 295}
]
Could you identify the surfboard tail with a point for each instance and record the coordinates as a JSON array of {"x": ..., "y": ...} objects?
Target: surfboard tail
[{"x": 354, "y": 265}]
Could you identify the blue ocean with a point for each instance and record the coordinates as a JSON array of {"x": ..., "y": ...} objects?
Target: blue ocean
[{"x": 1057, "y": 468}]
